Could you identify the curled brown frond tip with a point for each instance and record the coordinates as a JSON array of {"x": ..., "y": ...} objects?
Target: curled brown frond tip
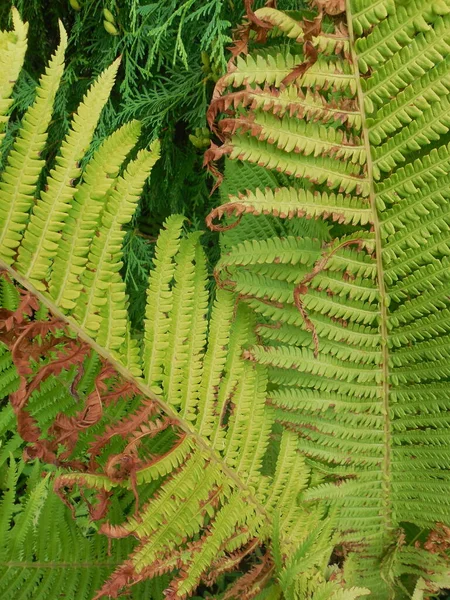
[{"x": 330, "y": 7}]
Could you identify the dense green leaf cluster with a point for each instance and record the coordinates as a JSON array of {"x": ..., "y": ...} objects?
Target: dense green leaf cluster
[{"x": 192, "y": 457}]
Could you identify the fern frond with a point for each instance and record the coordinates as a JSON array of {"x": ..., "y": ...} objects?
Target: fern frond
[
  {"x": 183, "y": 358},
  {"x": 271, "y": 69},
  {"x": 412, "y": 61},
  {"x": 159, "y": 300},
  {"x": 13, "y": 45},
  {"x": 85, "y": 213},
  {"x": 103, "y": 287},
  {"x": 344, "y": 177},
  {"x": 291, "y": 202},
  {"x": 298, "y": 136},
  {"x": 41, "y": 238},
  {"x": 354, "y": 333},
  {"x": 24, "y": 162},
  {"x": 394, "y": 32},
  {"x": 286, "y": 24},
  {"x": 44, "y": 552},
  {"x": 291, "y": 100}
]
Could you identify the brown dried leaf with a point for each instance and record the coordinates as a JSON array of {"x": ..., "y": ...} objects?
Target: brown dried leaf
[
  {"x": 330, "y": 7},
  {"x": 311, "y": 53}
]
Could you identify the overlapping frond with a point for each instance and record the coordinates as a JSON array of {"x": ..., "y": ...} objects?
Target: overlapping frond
[
  {"x": 42, "y": 235},
  {"x": 353, "y": 332},
  {"x": 201, "y": 498},
  {"x": 67, "y": 237},
  {"x": 85, "y": 213},
  {"x": 45, "y": 552}
]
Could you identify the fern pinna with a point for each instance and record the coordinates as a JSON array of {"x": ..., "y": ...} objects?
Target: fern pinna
[
  {"x": 352, "y": 106},
  {"x": 161, "y": 440}
]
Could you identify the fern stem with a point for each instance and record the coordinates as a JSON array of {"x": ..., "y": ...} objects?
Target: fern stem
[
  {"x": 387, "y": 477},
  {"x": 139, "y": 383}
]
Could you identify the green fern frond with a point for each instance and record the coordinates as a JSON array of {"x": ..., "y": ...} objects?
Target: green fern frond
[
  {"x": 85, "y": 213},
  {"x": 272, "y": 68},
  {"x": 341, "y": 344},
  {"x": 182, "y": 361},
  {"x": 299, "y": 136},
  {"x": 354, "y": 333},
  {"x": 104, "y": 260},
  {"x": 159, "y": 300},
  {"x": 24, "y": 162},
  {"x": 44, "y": 552},
  {"x": 345, "y": 177},
  {"x": 291, "y": 202}
]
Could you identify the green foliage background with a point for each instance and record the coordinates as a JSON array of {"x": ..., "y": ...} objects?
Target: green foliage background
[{"x": 172, "y": 52}]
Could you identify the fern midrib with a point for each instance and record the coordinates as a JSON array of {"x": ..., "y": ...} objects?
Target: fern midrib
[
  {"x": 144, "y": 388},
  {"x": 386, "y": 468}
]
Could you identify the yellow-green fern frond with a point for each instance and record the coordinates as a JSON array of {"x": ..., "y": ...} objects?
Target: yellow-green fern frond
[
  {"x": 160, "y": 300},
  {"x": 43, "y": 233},
  {"x": 85, "y": 214},
  {"x": 13, "y": 45},
  {"x": 24, "y": 162},
  {"x": 103, "y": 288},
  {"x": 188, "y": 318}
]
